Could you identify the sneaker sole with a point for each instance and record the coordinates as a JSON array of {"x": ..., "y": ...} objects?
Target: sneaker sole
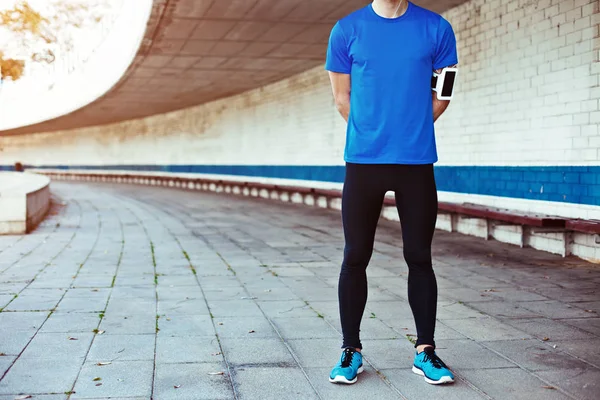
[
  {"x": 441, "y": 381},
  {"x": 342, "y": 379}
]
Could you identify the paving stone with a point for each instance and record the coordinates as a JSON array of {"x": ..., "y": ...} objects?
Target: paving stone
[
  {"x": 186, "y": 325},
  {"x": 485, "y": 328},
  {"x": 128, "y": 324},
  {"x": 590, "y": 306},
  {"x": 193, "y": 382},
  {"x": 5, "y": 299},
  {"x": 442, "y": 331},
  {"x": 369, "y": 384},
  {"x": 493, "y": 381},
  {"x": 374, "y": 328},
  {"x": 93, "y": 281},
  {"x": 587, "y": 350},
  {"x": 5, "y": 363},
  {"x": 13, "y": 341},
  {"x": 543, "y": 327},
  {"x": 292, "y": 271},
  {"x": 10, "y": 288},
  {"x": 190, "y": 306},
  {"x": 37, "y": 397},
  {"x": 126, "y": 306},
  {"x": 389, "y": 310},
  {"x": 58, "y": 345},
  {"x": 389, "y": 353},
  {"x": 583, "y": 383},
  {"x": 518, "y": 295},
  {"x": 286, "y": 309},
  {"x": 134, "y": 293},
  {"x": 119, "y": 379},
  {"x": 465, "y": 295},
  {"x": 244, "y": 327},
  {"x": 455, "y": 310},
  {"x": 330, "y": 309},
  {"x": 535, "y": 355},
  {"x": 304, "y": 328},
  {"x": 328, "y": 351},
  {"x": 117, "y": 398},
  {"x": 225, "y": 293},
  {"x": 189, "y": 279},
  {"x": 241, "y": 352},
  {"x": 272, "y": 293},
  {"x": 258, "y": 383},
  {"x": 413, "y": 386},
  {"x": 141, "y": 279},
  {"x": 187, "y": 349},
  {"x": 166, "y": 293},
  {"x": 36, "y": 300},
  {"x": 591, "y": 325},
  {"x": 556, "y": 309},
  {"x": 40, "y": 376},
  {"x": 559, "y": 293},
  {"x": 122, "y": 348},
  {"x": 238, "y": 308},
  {"x": 59, "y": 282},
  {"x": 86, "y": 305},
  {"x": 71, "y": 322},
  {"x": 215, "y": 282},
  {"x": 381, "y": 294},
  {"x": 504, "y": 309},
  {"x": 468, "y": 354}
]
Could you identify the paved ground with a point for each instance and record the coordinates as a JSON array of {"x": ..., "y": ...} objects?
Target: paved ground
[{"x": 139, "y": 293}]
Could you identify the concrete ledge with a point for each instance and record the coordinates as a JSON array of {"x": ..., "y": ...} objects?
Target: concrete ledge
[
  {"x": 24, "y": 201},
  {"x": 323, "y": 195}
]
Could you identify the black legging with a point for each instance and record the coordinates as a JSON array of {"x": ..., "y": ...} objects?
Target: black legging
[{"x": 416, "y": 200}]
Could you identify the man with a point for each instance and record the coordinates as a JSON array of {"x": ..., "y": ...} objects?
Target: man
[{"x": 381, "y": 59}]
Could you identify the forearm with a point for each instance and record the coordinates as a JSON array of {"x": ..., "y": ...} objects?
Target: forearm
[
  {"x": 344, "y": 109},
  {"x": 439, "y": 106}
]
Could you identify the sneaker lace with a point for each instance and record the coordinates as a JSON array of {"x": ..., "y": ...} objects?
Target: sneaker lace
[
  {"x": 347, "y": 359},
  {"x": 434, "y": 359}
]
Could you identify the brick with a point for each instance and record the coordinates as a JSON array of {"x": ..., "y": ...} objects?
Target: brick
[
  {"x": 566, "y": 6},
  {"x": 590, "y": 130},
  {"x": 590, "y": 9},
  {"x": 595, "y": 117},
  {"x": 588, "y": 179},
  {"x": 583, "y": 47},
  {"x": 558, "y": 19},
  {"x": 579, "y": 190},
  {"x": 574, "y": 37},
  {"x": 582, "y": 23},
  {"x": 574, "y": 14},
  {"x": 566, "y": 51},
  {"x": 581, "y": 119},
  {"x": 551, "y": 11}
]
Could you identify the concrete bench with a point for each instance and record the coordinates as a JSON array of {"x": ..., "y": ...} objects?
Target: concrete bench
[
  {"x": 24, "y": 201},
  {"x": 583, "y": 226}
]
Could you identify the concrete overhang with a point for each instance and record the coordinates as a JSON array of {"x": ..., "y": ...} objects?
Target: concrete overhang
[{"x": 195, "y": 51}]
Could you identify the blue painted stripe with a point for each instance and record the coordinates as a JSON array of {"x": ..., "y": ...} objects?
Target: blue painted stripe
[{"x": 565, "y": 184}]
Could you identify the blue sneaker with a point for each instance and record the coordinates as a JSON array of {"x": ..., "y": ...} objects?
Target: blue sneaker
[
  {"x": 349, "y": 366},
  {"x": 429, "y": 365}
]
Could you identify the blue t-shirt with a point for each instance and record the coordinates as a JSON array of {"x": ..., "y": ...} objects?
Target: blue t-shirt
[{"x": 390, "y": 62}]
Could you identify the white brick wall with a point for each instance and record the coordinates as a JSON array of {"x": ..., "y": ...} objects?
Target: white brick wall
[{"x": 528, "y": 92}]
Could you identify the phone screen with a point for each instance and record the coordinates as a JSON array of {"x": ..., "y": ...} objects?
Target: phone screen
[{"x": 448, "y": 83}]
